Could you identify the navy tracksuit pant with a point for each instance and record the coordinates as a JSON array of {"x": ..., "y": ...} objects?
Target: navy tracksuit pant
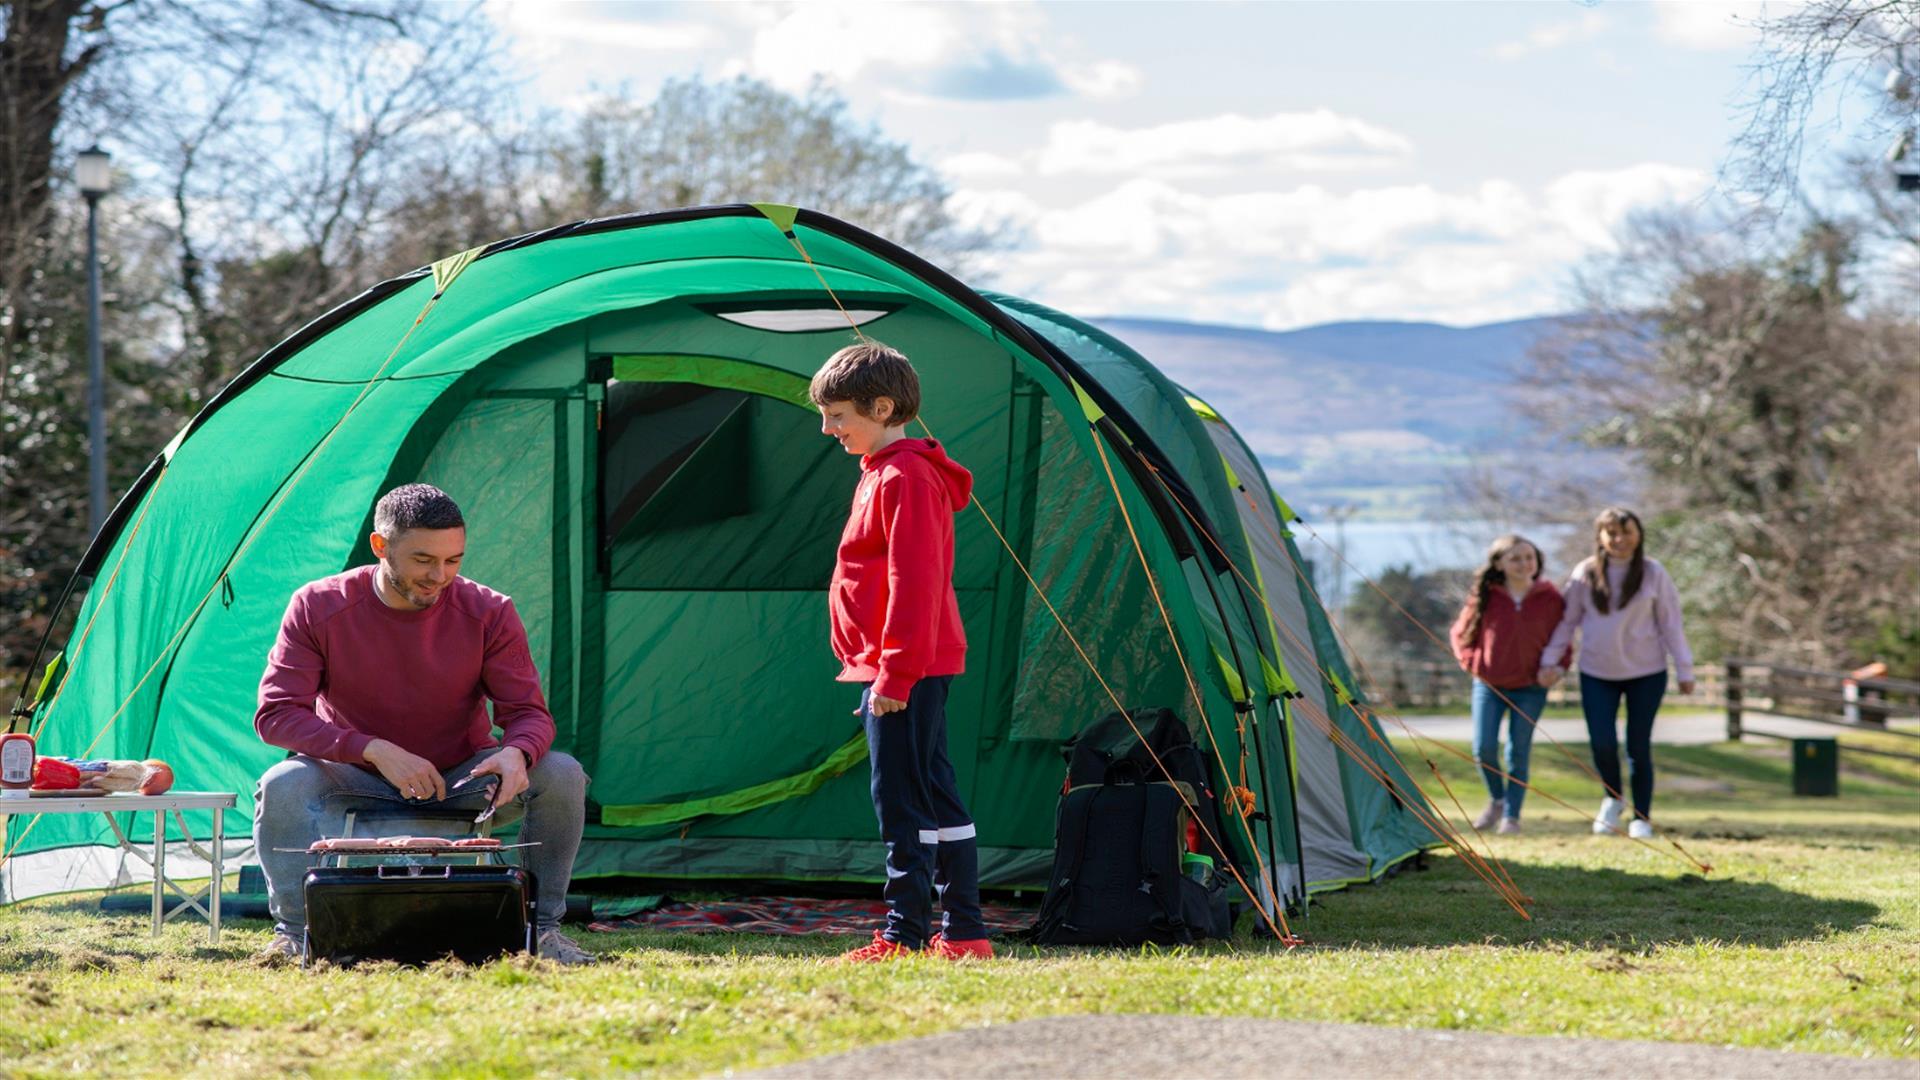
[{"x": 928, "y": 832}]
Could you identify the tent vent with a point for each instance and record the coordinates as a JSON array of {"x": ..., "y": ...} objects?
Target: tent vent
[{"x": 801, "y": 320}]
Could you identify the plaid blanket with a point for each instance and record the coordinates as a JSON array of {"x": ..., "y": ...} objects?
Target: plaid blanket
[{"x": 788, "y": 915}]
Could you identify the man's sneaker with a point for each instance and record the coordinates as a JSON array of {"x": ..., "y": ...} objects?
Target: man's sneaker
[
  {"x": 1509, "y": 826},
  {"x": 1641, "y": 829},
  {"x": 283, "y": 949},
  {"x": 561, "y": 949},
  {"x": 1607, "y": 823},
  {"x": 1488, "y": 816},
  {"x": 972, "y": 949},
  {"x": 875, "y": 951}
]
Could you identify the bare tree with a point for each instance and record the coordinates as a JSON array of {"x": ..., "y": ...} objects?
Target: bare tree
[
  {"x": 263, "y": 151},
  {"x": 1807, "y": 50},
  {"x": 746, "y": 141},
  {"x": 1768, "y": 414}
]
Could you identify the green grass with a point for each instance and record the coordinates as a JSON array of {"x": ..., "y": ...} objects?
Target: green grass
[{"x": 1806, "y": 936}]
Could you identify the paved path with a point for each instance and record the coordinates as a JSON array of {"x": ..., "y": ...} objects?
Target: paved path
[
  {"x": 1672, "y": 728},
  {"x": 1146, "y": 1046}
]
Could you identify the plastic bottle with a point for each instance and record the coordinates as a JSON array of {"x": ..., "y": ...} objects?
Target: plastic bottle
[
  {"x": 1198, "y": 867},
  {"x": 16, "y": 764}
]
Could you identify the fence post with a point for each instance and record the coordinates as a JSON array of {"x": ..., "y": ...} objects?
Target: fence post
[{"x": 1733, "y": 700}]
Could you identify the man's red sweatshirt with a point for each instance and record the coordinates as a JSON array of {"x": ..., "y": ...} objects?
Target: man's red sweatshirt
[
  {"x": 1506, "y": 654},
  {"x": 895, "y": 617}
]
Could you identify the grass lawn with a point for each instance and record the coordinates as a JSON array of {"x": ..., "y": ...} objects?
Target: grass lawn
[{"x": 1806, "y": 937}]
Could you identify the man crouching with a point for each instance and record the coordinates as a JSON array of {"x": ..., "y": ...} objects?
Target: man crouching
[{"x": 378, "y": 684}]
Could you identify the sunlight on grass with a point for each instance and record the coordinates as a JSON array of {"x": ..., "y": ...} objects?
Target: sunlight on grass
[{"x": 1806, "y": 936}]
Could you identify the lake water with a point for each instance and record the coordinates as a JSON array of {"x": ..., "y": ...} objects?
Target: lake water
[{"x": 1373, "y": 546}]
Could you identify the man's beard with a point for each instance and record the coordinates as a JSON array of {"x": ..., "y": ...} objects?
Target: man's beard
[{"x": 401, "y": 590}]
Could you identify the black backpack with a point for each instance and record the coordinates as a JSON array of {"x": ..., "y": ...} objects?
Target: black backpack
[{"x": 1119, "y": 837}]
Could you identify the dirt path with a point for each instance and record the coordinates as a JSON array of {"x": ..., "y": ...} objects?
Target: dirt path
[{"x": 1130, "y": 1046}]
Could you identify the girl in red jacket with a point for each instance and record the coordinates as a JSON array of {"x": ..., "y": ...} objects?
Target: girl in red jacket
[{"x": 1510, "y": 614}]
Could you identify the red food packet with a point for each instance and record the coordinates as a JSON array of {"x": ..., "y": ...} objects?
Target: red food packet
[{"x": 52, "y": 774}]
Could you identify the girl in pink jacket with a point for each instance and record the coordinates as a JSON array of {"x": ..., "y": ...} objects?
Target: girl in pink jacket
[{"x": 1626, "y": 613}]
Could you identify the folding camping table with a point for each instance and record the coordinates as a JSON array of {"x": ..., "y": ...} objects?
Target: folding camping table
[{"x": 160, "y": 806}]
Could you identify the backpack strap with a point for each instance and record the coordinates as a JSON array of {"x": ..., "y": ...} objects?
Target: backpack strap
[
  {"x": 1061, "y": 888},
  {"x": 1166, "y": 894}
]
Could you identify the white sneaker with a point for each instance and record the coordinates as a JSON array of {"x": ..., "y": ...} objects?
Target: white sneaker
[
  {"x": 1608, "y": 821},
  {"x": 1509, "y": 826},
  {"x": 1488, "y": 816},
  {"x": 1641, "y": 829},
  {"x": 561, "y": 949}
]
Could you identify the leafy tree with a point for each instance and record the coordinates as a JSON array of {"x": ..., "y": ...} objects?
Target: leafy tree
[
  {"x": 1770, "y": 417},
  {"x": 1379, "y": 615}
]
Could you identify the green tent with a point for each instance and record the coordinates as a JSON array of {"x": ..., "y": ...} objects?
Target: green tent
[{"x": 620, "y": 408}]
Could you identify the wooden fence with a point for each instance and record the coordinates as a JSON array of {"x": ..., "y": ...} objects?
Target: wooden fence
[
  {"x": 1407, "y": 685},
  {"x": 1844, "y": 701},
  {"x": 1837, "y": 698}
]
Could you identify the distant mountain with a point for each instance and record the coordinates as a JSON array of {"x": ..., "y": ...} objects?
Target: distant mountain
[{"x": 1382, "y": 414}]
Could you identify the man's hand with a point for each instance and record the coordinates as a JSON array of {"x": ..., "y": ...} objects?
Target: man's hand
[
  {"x": 1686, "y": 686},
  {"x": 413, "y": 776},
  {"x": 1548, "y": 676},
  {"x": 510, "y": 765},
  {"x": 883, "y": 705}
]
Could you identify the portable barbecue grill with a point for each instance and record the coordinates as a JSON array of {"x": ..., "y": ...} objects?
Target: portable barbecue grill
[{"x": 416, "y": 904}]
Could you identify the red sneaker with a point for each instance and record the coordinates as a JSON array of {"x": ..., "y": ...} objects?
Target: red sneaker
[
  {"x": 948, "y": 949},
  {"x": 875, "y": 951}
]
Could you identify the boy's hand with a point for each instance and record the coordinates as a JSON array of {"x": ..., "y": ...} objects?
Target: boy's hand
[{"x": 883, "y": 705}]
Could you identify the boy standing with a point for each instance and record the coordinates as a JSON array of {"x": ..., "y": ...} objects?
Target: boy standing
[{"x": 896, "y": 629}]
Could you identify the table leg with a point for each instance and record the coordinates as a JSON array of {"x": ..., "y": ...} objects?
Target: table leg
[
  {"x": 219, "y": 872},
  {"x": 159, "y": 869}
]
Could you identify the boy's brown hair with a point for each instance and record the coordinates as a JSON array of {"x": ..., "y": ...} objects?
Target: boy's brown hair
[{"x": 860, "y": 373}]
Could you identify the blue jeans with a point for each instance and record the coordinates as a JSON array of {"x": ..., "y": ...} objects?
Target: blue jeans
[
  {"x": 1489, "y": 709},
  {"x": 1600, "y": 700},
  {"x": 926, "y": 827},
  {"x": 303, "y": 799}
]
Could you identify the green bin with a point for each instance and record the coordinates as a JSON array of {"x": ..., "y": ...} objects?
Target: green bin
[{"x": 1816, "y": 766}]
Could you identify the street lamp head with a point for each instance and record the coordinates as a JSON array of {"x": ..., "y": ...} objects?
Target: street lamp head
[
  {"x": 93, "y": 169},
  {"x": 1899, "y": 83}
]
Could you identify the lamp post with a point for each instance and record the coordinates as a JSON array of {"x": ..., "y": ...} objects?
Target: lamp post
[{"x": 93, "y": 170}]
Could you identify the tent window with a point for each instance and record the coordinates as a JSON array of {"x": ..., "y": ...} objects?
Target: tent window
[{"x": 711, "y": 488}]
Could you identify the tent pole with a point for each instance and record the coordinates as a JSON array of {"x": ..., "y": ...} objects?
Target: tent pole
[{"x": 1266, "y": 790}]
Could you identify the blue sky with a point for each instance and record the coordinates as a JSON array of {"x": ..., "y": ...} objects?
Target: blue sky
[{"x": 1263, "y": 164}]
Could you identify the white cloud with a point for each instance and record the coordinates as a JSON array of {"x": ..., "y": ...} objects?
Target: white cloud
[
  {"x": 994, "y": 210},
  {"x": 1317, "y": 140},
  {"x": 549, "y": 29},
  {"x": 1552, "y": 36},
  {"x": 840, "y": 41},
  {"x": 980, "y": 164},
  {"x": 1591, "y": 205},
  {"x": 1309, "y": 254},
  {"x": 1106, "y": 79},
  {"x": 965, "y": 52},
  {"x": 1707, "y": 24}
]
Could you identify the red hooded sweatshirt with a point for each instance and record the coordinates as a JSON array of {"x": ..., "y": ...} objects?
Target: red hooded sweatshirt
[
  {"x": 895, "y": 617},
  {"x": 1507, "y": 653}
]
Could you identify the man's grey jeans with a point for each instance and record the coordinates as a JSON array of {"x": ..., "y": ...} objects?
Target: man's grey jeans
[{"x": 303, "y": 799}]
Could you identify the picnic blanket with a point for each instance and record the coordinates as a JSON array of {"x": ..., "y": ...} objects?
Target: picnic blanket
[{"x": 786, "y": 915}]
